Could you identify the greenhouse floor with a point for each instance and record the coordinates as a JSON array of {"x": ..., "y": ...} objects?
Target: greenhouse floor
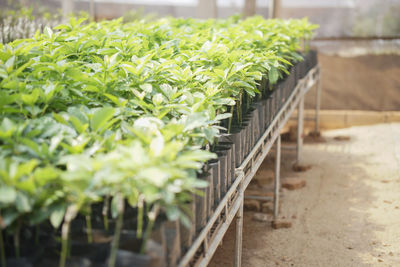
[{"x": 348, "y": 214}]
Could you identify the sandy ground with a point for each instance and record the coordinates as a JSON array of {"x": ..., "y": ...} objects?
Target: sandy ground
[{"x": 347, "y": 215}]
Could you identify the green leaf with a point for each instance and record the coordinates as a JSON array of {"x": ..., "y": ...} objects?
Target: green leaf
[
  {"x": 194, "y": 121},
  {"x": 8, "y": 217},
  {"x": 196, "y": 155},
  {"x": 148, "y": 88},
  {"x": 22, "y": 203},
  {"x": 117, "y": 101},
  {"x": 223, "y": 116},
  {"x": 33, "y": 146},
  {"x": 26, "y": 168},
  {"x": 3, "y": 73},
  {"x": 79, "y": 126},
  {"x": 8, "y": 194},
  {"x": 10, "y": 64},
  {"x": 273, "y": 75},
  {"x": 60, "y": 118},
  {"x": 48, "y": 32},
  {"x": 57, "y": 216},
  {"x": 114, "y": 207},
  {"x": 101, "y": 117}
]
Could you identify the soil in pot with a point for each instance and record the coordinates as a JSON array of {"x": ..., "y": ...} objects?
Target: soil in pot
[
  {"x": 128, "y": 252},
  {"x": 20, "y": 262},
  {"x": 71, "y": 262}
]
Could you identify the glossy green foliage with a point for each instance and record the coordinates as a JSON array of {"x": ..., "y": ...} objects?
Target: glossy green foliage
[{"x": 91, "y": 111}]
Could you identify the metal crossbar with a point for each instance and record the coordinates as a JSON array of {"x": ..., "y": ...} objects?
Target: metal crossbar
[{"x": 208, "y": 240}]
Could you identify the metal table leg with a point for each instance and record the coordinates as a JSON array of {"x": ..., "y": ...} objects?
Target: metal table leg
[
  {"x": 239, "y": 236},
  {"x": 300, "y": 119},
  {"x": 277, "y": 176}
]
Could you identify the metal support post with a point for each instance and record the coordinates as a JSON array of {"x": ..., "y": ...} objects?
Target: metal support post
[
  {"x": 318, "y": 103},
  {"x": 300, "y": 119},
  {"x": 277, "y": 176},
  {"x": 239, "y": 235}
]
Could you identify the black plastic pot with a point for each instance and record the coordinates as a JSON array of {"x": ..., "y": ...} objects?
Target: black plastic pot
[
  {"x": 311, "y": 60},
  {"x": 291, "y": 80},
  {"x": 233, "y": 159},
  {"x": 215, "y": 185},
  {"x": 201, "y": 203},
  {"x": 255, "y": 125},
  {"x": 173, "y": 246},
  {"x": 223, "y": 172},
  {"x": 262, "y": 121},
  {"x": 187, "y": 234},
  {"x": 283, "y": 93},
  {"x": 282, "y": 86},
  {"x": 246, "y": 137},
  {"x": 209, "y": 193},
  {"x": 300, "y": 69},
  {"x": 286, "y": 88},
  {"x": 296, "y": 72},
  {"x": 267, "y": 112},
  {"x": 278, "y": 100},
  {"x": 313, "y": 56},
  {"x": 230, "y": 162},
  {"x": 235, "y": 137},
  {"x": 272, "y": 107}
]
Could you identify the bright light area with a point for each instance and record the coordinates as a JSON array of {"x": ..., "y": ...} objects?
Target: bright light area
[{"x": 238, "y": 3}]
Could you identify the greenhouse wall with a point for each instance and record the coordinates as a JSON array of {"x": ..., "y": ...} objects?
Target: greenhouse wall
[{"x": 338, "y": 18}]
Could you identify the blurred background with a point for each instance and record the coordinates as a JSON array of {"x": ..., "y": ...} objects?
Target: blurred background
[{"x": 358, "y": 40}]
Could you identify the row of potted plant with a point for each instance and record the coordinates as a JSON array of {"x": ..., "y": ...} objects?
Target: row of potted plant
[
  {"x": 234, "y": 146},
  {"x": 18, "y": 22},
  {"x": 105, "y": 129}
]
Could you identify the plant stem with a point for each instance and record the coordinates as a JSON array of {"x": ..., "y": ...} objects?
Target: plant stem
[
  {"x": 239, "y": 110},
  {"x": 140, "y": 216},
  {"x": 152, "y": 218},
  {"x": 118, "y": 228},
  {"x": 105, "y": 212},
  {"x": 230, "y": 119},
  {"x": 70, "y": 214},
  {"x": 16, "y": 239},
  {"x": 2, "y": 252},
  {"x": 89, "y": 229}
]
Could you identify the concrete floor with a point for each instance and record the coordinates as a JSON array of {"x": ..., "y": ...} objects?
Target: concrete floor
[{"x": 347, "y": 215}]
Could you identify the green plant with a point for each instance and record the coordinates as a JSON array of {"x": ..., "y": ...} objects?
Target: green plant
[{"x": 125, "y": 112}]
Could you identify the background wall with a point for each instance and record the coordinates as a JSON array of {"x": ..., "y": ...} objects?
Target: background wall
[
  {"x": 369, "y": 82},
  {"x": 338, "y": 18}
]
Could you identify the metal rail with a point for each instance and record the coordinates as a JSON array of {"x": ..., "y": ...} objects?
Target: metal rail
[{"x": 208, "y": 240}]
